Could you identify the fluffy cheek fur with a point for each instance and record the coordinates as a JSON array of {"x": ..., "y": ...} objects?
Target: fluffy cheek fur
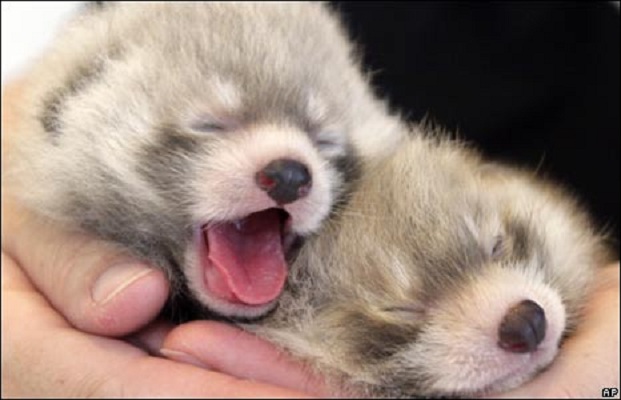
[
  {"x": 457, "y": 350},
  {"x": 224, "y": 188}
]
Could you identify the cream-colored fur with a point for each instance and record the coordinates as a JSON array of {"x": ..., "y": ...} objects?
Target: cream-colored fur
[{"x": 403, "y": 292}]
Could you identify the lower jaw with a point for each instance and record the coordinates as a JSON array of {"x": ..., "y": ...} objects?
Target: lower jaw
[
  {"x": 222, "y": 309},
  {"x": 245, "y": 314}
]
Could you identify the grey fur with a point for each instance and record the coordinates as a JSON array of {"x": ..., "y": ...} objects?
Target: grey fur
[
  {"x": 375, "y": 296},
  {"x": 51, "y": 115},
  {"x": 124, "y": 106}
]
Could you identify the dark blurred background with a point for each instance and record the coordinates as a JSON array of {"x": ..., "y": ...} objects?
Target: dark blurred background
[{"x": 534, "y": 83}]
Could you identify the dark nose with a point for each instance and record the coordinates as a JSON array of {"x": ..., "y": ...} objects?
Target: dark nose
[
  {"x": 522, "y": 328},
  {"x": 284, "y": 180}
]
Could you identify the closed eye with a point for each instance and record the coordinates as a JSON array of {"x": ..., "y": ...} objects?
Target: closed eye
[
  {"x": 208, "y": 126},
  {"x": 330, "y": 142},
  {"x": 498, "y": 249},
  {"x": 407, "y": 310},
  {"x": 325, "y": 143}
]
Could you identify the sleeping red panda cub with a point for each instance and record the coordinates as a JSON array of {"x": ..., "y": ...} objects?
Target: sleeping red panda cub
[
  {"x": 207, "y": 138},
  {"x": 443, "y": 275}
]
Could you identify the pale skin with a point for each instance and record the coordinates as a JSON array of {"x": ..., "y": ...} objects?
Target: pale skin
[{"x": 75, "y": 325}]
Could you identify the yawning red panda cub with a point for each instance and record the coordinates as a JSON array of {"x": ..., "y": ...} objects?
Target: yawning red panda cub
[{"x": 207, "y": 138}]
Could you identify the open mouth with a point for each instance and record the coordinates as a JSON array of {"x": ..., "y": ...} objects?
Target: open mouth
[{"x": 244, "y": 261}]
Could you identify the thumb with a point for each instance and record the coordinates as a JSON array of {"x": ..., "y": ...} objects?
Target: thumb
[{"x": 98, "y": 287}]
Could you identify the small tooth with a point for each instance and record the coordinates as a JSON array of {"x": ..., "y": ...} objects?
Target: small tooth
[{"x": 239, "y": 224}]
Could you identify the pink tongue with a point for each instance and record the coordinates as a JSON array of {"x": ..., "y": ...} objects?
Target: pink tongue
[{"x": 247, "y": 259}]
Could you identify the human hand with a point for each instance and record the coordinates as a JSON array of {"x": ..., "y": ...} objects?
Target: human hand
[
  {"x": 589, "y": 359},
  {"x": 43, "y": 356}
]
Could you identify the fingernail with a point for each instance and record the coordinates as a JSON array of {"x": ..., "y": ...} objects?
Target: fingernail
[
  {"x": 180, "y": 356},
  {"x": 116, "y": 279}
]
